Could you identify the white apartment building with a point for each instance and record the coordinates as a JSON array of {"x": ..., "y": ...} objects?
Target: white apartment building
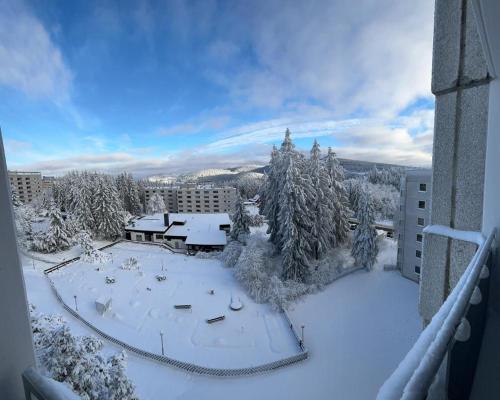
[
  {"x": 414, "y": 212},
  {"x": 28, "y": 185},
  {"x": 196, "y": 198}
]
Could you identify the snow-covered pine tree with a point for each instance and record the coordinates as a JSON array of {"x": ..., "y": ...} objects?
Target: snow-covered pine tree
[
  {"x": 338, "y": 197},
  {"x": 56, "y": 237},
  {"x": 321, "y": 208},
  {"x": 107, "y": 209},
  {"x": 81, "y": 193},
  {"x": 156, "y": 204},
  {"x": 271, "y": 196},
  {"x": 129, "y": 193},
  {"x": 294, "y": 219},
  {"x": 119, "y": 386},
  {"x": 15, "y": 198},
  {"x": 364, "y": 247},
  {"x": 241, "y": 221}
]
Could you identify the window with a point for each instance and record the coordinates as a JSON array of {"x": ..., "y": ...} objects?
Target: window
[
  {"x": 417, "y": 269},
  {"x": 419, "y": 237},
  {"x": 418, "y": 253},
  {"x": 420, "y": 222},
  {"x": 421, "y": 204},
  {"x": 423, "y": 187}
]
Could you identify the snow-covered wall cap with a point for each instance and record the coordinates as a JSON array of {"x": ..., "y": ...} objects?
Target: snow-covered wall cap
[{"x": 466, "y": 236}]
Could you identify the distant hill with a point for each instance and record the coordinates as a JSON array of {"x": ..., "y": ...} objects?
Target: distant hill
[{"x": 227, "y": 175}]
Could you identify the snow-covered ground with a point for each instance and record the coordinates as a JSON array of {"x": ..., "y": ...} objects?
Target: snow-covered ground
[
  {"x": 357, "y": 331},
  {"x": 142, "y": 307}
]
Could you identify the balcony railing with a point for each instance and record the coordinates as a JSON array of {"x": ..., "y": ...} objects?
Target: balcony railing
[{"x": 415, "y": 375}]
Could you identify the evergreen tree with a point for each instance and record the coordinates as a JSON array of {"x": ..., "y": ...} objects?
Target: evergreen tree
[
  {"x": 338, "y": 197},
  {"x": 118, "y": 384},
  {"x": 107, "y": 209},
  {"x": 294, "y": 220},
  {"x": 82, "y": 202},
  {"x": 241, "y": 221},
  {"x": 271, "y": 196},
  {"x": 56, "y": 238},
  {"x": 322, "y": 212},
  {"x": 156, "y": 204},
  {"x": 364, "y": 248},
  {"x": 15, "y": 198},
  {"x": 129, "y": 193}
]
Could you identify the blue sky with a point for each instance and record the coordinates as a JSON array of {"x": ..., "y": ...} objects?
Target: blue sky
[{"x": 174, "y": 86}]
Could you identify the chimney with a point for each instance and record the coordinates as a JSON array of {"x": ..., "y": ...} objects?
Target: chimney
[{"x": 165, "y": 219}]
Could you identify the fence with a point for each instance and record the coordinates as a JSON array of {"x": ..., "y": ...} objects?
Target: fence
[{"x": 193, "y": 368}]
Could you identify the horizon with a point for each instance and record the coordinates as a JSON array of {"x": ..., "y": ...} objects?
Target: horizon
[{"x": 169, "y": 88}]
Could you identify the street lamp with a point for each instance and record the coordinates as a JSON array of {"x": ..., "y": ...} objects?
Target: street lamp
[
  {"x": 162, "y": 349},
  {"x": 302, "y": 327},
  {"x": 76, "y": 304}
]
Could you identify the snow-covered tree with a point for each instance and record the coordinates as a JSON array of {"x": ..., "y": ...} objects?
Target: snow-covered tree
[
  {"x": 129, "y": 193},
  {"x": 294, "y": 220},
  {"x": 78, "y": 360},
  {"x": 323, "y": 224},
  {"x": 107, "y": 209},
  {"x": 338, "y": 197},
  {"x": 119, "y": 386},
  {"x": 241, "y": 221},
  {"x": 364, "y": 247},
  {"x": 231, "y": 253},
  {"x": 16, "y": 202},
  {"x": 90, "y": 254},
  {"x": 56, "y": 237},
  {"x": 82, "y": 191},
  {"x": 156, "y": 204},
  {"x": 271, "y": 196}
]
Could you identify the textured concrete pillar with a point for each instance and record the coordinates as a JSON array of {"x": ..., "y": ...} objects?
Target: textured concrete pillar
[
  {"x": 460, "y": 82},
  {"x": 16, "y": 345}
]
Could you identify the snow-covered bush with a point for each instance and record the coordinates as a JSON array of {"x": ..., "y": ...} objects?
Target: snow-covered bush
[
  {"x": 130, "y": 264},
  {"x": 231, "y": 253},
  {"x": 253, "y": 269},
  {"x": 256, "y": 220},
  {"x": 284, "y": 293},
  {"x": 331, "y": 266},
  {"x": 78, "y": 361}
]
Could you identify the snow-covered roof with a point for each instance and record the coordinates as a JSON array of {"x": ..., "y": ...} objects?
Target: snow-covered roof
[
  {"x": 201, "y": 229},
  {"x": 208, "y": 238},
  {"x": 149, "y": 223}
]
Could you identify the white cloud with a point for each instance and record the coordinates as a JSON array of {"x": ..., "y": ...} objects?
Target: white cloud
[
  {"x": 374, "y": 57},
  {"x": 30, "y": 61}
]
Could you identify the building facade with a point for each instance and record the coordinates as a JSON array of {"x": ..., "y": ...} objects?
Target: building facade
[
  {"x": 414, "y": 215},
  {"x": 196, "y": 198},
  {"x": 28, "y": 185}
]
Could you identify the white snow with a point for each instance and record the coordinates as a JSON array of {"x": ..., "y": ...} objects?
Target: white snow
[
  {"x": 468, "y": 236},
  {"x": 143, "y": 306},
  {"x": 357, "y": 331}
]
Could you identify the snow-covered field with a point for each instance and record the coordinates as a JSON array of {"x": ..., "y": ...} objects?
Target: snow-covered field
[
  {"x": 357, "y": 331},
  {"x": 142, "y": 307}
]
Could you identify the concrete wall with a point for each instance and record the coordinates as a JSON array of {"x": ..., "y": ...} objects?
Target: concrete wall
[{"x": 460, "y": 82}]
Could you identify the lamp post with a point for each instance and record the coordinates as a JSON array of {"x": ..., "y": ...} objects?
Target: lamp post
[
  {"x": 76, "y": 304},
  {"x": 33, "y": 260},
  {"x": 302, "y": 328},
  {"x": 162, "y": 349}
]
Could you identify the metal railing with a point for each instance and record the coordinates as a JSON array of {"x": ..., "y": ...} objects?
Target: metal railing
[{"x": 415, "y": 374}]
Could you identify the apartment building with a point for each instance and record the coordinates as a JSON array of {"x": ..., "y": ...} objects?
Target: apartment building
[
  {"x": 169, "y": 195},
  {"x": 28, "y": 185},
  {"x": 414, "y": 214},
  {"x": 196, "y": 198},
  {"x": 48, "y": 182}
]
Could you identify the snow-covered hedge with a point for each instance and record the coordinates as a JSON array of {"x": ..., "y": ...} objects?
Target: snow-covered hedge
[{"x": 78, "y": 361}]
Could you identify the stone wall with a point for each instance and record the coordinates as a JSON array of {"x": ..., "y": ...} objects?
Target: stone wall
[{"x": 460, "y": 82}]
